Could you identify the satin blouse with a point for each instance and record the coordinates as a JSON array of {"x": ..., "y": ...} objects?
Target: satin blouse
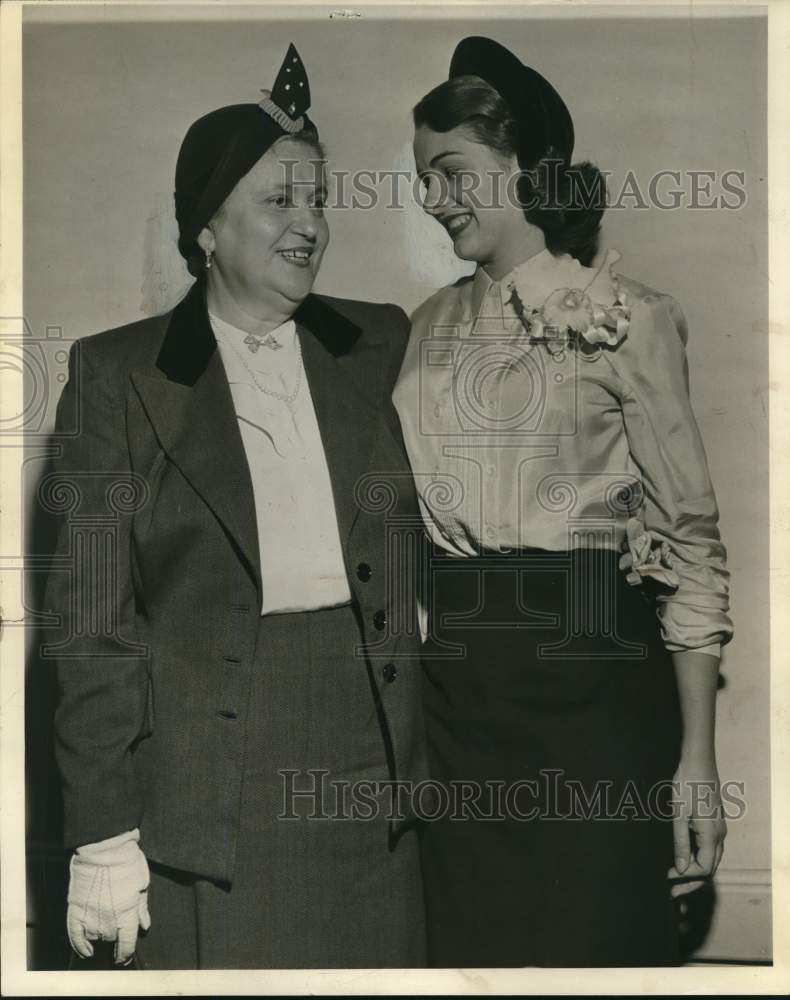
[
  {"x": 515, "y": 443},
  {"x": 301, "y": 555}
]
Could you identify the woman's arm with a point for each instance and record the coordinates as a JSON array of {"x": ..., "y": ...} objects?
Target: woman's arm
[
  {"x": 697, "y": 791},
  {"x": 697, "y": 678},
  {"x": 680, "y": 509},
  {"x": 102, "y": 670}
]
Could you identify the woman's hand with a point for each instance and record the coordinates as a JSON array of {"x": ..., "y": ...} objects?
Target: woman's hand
[
  {"x": 108, "y": 896},
  {"x": 699, "y": 826}
]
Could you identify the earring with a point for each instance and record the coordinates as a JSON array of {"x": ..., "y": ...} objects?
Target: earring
[{"x": 209, "y": 259}]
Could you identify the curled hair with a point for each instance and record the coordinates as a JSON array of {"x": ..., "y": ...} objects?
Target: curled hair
[
  {"x": 566, "y": 201},
  {"x": 196, "y": 257}
]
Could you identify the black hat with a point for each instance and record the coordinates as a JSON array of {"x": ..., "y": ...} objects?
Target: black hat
[
  {"x": 222, "y": 146},
  {"x": 544, "y": 122}
]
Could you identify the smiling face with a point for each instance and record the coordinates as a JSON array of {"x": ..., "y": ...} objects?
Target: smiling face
[
  {"x": 269, "y": 236},
  {"x": 469, "y": 189}
]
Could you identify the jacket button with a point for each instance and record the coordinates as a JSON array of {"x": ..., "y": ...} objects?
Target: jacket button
[
  {"x": 364, "y": 572},
  {"x": 390, "y": 672},
  {"x": 380, "y": 620}
]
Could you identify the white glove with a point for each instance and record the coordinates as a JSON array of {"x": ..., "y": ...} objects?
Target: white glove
[{"x": 108, "y": 895}]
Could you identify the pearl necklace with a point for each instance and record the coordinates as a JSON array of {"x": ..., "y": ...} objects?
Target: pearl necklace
[{"x": 287, "y": 398}]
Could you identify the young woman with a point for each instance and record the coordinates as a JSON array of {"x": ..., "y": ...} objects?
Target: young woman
[{"x": 545, "y": 409}]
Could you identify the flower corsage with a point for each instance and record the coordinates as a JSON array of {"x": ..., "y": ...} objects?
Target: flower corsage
[{"x": 570, "y": 319}]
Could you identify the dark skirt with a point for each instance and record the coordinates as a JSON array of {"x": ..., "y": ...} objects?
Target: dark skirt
[
  {"x": 553, "y": 723},
  {"x": 315, "y": 889}
]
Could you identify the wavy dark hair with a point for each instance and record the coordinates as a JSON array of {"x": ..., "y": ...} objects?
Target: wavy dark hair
[{"x": 566, "y": 201}]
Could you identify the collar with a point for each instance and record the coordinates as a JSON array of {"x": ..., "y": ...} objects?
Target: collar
[
  {"x": 540, "y": 275},
  {"x": 189, "y": 340},
  {"x": 265, "y": 361},
  {"x": 283, "y": 333}
]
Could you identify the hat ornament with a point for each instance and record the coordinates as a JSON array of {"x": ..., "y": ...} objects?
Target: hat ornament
[{"x": 289, "y": 99}]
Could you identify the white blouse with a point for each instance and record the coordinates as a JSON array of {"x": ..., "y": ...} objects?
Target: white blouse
[
  {"x": 517, "y": 440},
  {"x": 301, "y": 557}
]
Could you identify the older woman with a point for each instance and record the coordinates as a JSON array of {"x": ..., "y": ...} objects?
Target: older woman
[
  {"x": 546, "y": 413},
  {"x": 233, "y": 721}
]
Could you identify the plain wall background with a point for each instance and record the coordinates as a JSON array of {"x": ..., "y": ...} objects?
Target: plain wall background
[{"x": 106, "y": 105}]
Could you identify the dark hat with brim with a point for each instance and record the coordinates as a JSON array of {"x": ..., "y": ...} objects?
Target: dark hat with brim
[
  {"x": 544, "y": 122},
  {"x": 224, "y": 145}
]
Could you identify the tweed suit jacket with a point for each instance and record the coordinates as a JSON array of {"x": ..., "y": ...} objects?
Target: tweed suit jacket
[{"x": 160, "y": 597}]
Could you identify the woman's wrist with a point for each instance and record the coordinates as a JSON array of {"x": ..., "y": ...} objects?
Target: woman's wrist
[{"x": 697, "y": 756}]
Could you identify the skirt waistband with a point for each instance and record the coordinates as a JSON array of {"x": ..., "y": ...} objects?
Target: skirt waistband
[{"x": 528, "y": 553}]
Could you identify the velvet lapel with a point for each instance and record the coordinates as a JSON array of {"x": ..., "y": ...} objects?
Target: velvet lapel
[{"x": 188, "y": 401}]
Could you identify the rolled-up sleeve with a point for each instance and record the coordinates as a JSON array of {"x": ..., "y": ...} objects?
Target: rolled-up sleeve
[{"x": 680, "y": 504}]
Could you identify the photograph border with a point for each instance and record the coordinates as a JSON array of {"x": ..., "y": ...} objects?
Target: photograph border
[{"x": 701, "y": 979}]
